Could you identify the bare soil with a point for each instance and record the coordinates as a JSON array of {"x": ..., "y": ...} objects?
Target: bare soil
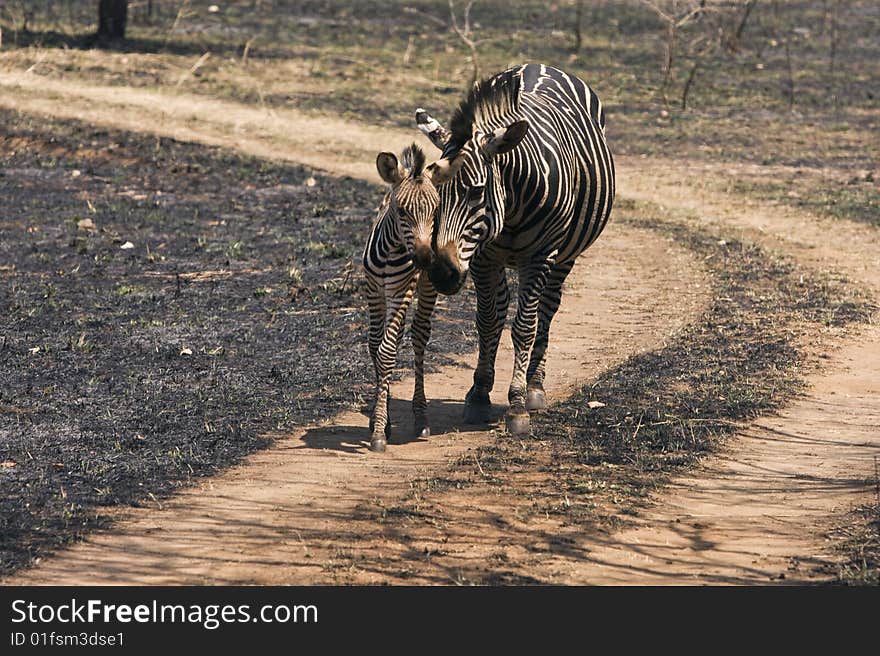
[{"x": 754, "y": 513}]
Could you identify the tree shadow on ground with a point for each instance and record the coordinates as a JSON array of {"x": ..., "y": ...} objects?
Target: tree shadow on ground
[{"x": 132, "y": 44}]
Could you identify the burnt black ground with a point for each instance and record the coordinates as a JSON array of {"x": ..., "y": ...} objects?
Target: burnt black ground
[{"x": 124, "y": 373}]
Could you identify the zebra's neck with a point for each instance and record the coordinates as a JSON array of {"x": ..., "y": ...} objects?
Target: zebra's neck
[
  {"x": 385, "y": 252},
  {"x": 496, "y": 203}
]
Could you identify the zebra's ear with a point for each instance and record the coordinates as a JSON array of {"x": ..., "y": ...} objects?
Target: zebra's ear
[
  {"x": 432, "y": 129},
  {"x": 389, "y": 168},
  {"x": 503, "y": 140},
  {"x": 443, "y": 170}
]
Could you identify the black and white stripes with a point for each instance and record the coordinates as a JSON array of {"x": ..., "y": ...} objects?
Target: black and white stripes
[
  {"x": 398, "y": 248},
  {"x": 525, "y": 180}
]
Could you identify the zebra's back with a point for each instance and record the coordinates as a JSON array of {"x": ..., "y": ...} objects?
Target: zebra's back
[{"x": 560, "y": 182}]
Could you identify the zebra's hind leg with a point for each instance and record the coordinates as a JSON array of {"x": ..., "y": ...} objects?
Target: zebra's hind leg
[
  {"x": 493, "y": 298},
  {"x": 421, "y": 332},
  {"x": 386, "y": 356},
  {"x": 547, "y": 307},
  {"x": 532, "y": 281}
]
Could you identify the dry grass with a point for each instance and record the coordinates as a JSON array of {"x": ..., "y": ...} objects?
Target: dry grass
[
  {"x": 336, "y": 59},
  {"x": 860, "y": 541}
]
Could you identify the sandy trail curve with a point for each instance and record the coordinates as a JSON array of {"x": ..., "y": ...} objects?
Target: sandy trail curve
[
  {"x": 749, "y": 514},
  {"x": 760, "y": 510},
  {"x": 325, "y": 143}
]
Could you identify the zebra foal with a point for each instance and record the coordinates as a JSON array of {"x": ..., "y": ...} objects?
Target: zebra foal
[{"x": 398, "y": 249}]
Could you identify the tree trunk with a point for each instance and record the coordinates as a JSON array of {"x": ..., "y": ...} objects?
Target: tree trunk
[{"x": 112, "y": 16}]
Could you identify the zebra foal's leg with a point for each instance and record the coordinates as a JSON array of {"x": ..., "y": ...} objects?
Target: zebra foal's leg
[
  {"x": 532, "y": 281},
  {"x": 493, "y": 298},
  {"x": 547, "y": 307},
  {"x": 376, "y": 305},
  {"x": 386, "y": 355},
  {"x": 421, "y": 332}
]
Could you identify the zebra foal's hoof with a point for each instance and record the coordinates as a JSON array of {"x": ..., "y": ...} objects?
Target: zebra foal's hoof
[
  {"x": 378, "y": 445},
  {"x": 535, "y": 399},
  {"x": 423, "y": 431},
  {"x": 517, "y": 423}
]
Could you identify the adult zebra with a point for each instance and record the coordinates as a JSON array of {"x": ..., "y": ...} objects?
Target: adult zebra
[{"x": 526, "y": 181}]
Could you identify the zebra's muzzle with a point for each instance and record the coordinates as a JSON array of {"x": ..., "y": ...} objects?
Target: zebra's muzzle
[
  {"x": 423, "y": 257},
  {"x": 445, "y": 273}
]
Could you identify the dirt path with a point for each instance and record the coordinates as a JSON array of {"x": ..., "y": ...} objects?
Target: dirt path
[
  {"x": 759, "y": 510},
  {"x": 333, "y": 145},
  {"x": 281, "y": 516}
]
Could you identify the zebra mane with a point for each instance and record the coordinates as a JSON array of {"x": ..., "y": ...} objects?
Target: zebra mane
[
  {"x": 414, "y": 161},
  {"x": 490, "y": 98}
]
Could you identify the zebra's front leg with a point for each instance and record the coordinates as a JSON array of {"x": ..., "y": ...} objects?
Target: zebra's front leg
[
  {"x": 532, "y": 280},
  {"x": 421, "y": 333},
  {"x": 376, "y": 304},
  {"x": 493, "y": 298},
  {"x": 386, "y": 355},
  {"x": 547, "y": 307}
]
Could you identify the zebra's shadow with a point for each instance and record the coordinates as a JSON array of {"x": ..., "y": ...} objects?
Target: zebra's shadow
[{"x": 445, "y": 417}]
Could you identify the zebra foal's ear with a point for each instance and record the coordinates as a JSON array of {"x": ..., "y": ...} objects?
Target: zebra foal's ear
[
  {"x": 503, "y": 140},
  {"x": 389, "y": 168}
]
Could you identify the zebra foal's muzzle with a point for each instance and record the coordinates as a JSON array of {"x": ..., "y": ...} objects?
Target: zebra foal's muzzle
[
  {"x": 423, "y": 256},
  {"x": 445, "y": 273}
]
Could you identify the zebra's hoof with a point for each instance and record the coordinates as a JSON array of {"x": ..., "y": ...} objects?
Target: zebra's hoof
[
  {"x": 517, "y": 423},
  {"x": 536, "y": 399},
  {"x": 378, "y": 445},
  {"x": 424, "y": 431}
]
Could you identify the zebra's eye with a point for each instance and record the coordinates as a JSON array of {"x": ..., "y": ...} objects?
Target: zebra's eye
[
  {"x": 475, "y": 193},
  {"x": 474, "y": 196},
  {"x": 476, "y": 230}
]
